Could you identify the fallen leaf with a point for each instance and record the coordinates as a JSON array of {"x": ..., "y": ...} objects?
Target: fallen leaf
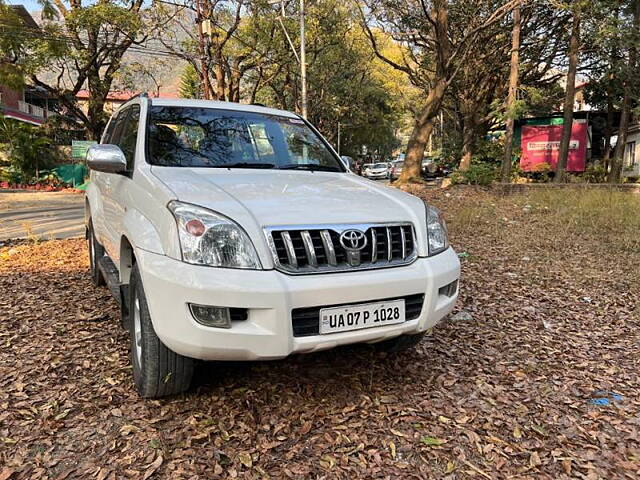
[{"x": 153, "y": 467}]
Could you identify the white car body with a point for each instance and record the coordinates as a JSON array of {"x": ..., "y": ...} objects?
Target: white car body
[
  {"x": 131, "y": 220},
  {"x": 375, "y": 170}
]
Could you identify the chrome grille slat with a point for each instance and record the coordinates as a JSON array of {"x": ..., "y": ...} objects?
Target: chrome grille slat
[
  {"x": 307, "y": 249},
  {"x": 291, "y": 252},
  {"x": 374, "y": 246},
  {"x": 328, "y": 247}
]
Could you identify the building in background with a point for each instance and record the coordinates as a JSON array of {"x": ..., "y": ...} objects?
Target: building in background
[
  {"x": 116, "y": 98},
  {"x": 29, "y": 104}
]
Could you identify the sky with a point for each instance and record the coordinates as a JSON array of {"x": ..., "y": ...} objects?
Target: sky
[{"x": 30, "y": 5}]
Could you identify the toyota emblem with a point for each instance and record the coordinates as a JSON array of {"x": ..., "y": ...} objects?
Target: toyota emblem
[{"x": 353, "y": 240}]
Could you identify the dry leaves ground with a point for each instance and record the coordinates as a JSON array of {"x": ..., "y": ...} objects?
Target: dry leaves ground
[{"x": 551, "y": 285}]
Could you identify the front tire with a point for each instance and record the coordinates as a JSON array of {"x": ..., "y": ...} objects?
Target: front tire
[
  {"x": 157, "y": 370},
  {"x": 96, "y": 252}
]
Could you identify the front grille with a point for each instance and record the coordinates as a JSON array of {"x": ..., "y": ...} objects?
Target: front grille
[
  {"x": 306, "y": 321},
  {"x": 319, "y": 249}
]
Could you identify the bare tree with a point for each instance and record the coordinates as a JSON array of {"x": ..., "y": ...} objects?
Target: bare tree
[
  {"x": 234, "y": 42},
  {"x": 570, "y": 95},
  {"x": 85, "y": 49},
  {"x": 432, "y": 56}
]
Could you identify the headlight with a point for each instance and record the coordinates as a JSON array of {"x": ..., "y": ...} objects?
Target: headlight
[
  {"x": 208, "y": 238},
  {"x": 436, "y": 231}
]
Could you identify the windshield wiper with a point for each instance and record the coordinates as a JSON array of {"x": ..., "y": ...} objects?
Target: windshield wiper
[
  {"x": 248, "y": 165},
  {"x": 309, "y": 166}
]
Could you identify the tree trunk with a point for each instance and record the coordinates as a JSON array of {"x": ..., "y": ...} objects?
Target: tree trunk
[
  {"x": 608, "y": 130},
  {"x": 512, "y": 97},
  {"x": 569, "y": 98},
  {"x": 221, "y": 83},
  {"x": 618, "y": 154},
  {"x": 469, "y": 131},
  {"x": 96, "y": 116},
  {"x": 412, "y": 169}
]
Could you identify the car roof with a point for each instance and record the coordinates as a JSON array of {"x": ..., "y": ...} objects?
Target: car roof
[{"x": 240, "y": 107}]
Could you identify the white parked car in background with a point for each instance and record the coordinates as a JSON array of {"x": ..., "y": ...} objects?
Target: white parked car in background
[
  {"x": 234, "y": 232},
  {"x": 376, "y": 170}
]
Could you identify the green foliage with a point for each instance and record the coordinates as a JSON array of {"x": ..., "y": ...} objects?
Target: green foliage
[
  {"x": 11, "y": 175},
  {"x": 26, "y": 146},
  {"x": 477, "y": 174},
  {"x": 49, "y": 177},
  {"x": 347, "y": 84},
  {"x": 489, "y": 150},
  {"x": 595, "y": 174},
  {"x": 190, "y": 85}
]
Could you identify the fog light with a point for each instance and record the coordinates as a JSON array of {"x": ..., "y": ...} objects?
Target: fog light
[
  {"x": 450, "y": 289},
  {"x": 218, "y": 317}
]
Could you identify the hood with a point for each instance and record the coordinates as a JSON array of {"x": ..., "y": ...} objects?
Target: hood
[
  {"x": 288, "y": 197},
  {"x": 260, "y": 198}
]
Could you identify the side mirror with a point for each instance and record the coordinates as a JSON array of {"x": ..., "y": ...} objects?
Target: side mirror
[{"x": 106, "y": 158}]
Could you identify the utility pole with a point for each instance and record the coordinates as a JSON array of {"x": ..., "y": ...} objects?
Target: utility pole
[
  {"x": 338, "y": 137},
  {"x": 300, "y": 57},
  {"x": 303, "y": 63}
]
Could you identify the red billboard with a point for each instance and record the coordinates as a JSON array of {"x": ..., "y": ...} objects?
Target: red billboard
[{"x": 541, "y": 144}]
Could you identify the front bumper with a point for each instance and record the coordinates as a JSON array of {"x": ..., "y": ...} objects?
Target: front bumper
[
  {"x": 376, "y": 175},
  {"x": 270, "y": 297}
]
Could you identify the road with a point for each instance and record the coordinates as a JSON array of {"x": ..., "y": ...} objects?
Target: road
[{"x": 43, "y": 215}]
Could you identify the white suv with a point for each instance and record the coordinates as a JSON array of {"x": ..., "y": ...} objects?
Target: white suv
[{"x": 234, "y": 232}]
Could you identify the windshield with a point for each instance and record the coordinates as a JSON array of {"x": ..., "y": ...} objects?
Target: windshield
[
  {"x": 214, "y": 138},
  {"x": 379, "y": 165}
]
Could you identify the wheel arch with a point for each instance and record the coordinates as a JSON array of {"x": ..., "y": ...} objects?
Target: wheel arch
[{"x": 127, "y": 259}]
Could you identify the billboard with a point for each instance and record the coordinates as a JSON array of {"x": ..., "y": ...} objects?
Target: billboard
[
  {"x": 541, "y": 144},
  {"x": 79, "y": 148}
]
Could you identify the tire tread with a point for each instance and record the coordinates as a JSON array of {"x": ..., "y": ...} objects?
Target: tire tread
[{"x": 163, "y": 372}]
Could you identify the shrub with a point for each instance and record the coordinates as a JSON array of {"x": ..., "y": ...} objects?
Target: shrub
[
  {"x": 49, "y": 178},
  {"x": 27, "y": 147},
  {"x": 11, "y": 175},
  {"x": 476, "y": 174},
  {"x": 595, "y": 174}
]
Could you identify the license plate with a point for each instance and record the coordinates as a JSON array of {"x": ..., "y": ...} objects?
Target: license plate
[{"x": 356, "y": 317}]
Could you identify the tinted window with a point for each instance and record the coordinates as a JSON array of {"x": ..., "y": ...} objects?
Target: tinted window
[
  {"x": 129, "y": 135},
  {"x": 207, "y": 137}
]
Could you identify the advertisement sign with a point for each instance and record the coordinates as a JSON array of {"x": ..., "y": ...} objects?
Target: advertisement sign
[
  {"x": 79, "y": 148},
  {"x": 541, "y": 144}
]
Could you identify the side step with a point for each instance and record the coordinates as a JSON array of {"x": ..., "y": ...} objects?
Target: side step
[
  {"x": 111, "y": 276},
  {"x": 119, "y": 291}
]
